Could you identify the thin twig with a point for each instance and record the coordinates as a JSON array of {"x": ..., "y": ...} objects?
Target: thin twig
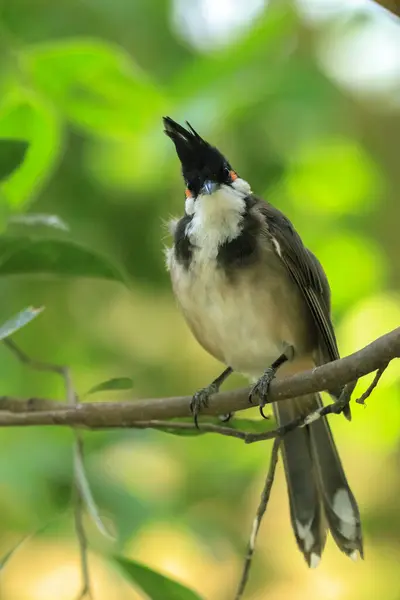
[
  {"x": 372, "y": 386},
  {"x": 85, "y": 491},
  {"x": 49, "y": 418},
  {"x": 258, "y": 518},
  {"x": 24, "y": 358},
  {"x": 80, "y": 491},
  {"x": 85, "y": 591}
]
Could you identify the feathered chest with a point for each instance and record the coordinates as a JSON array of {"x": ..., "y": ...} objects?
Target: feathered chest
[
  {"x": 231, "y": 293},
  {"x": 219, "y": 230}
]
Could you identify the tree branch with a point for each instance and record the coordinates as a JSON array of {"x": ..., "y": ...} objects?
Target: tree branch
[
  {"x": 153, "y": 413},
  {"x": 99, "y": 415}
]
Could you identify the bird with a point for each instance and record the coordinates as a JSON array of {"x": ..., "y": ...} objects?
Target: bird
[{"x": 259, "y": 301}]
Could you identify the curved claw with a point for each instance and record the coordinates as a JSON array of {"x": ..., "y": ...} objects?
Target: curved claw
[
  {"x": 261, "y": 388},
  {"x": 195, "y": 406},
  {"x": 200, "y": 400}
]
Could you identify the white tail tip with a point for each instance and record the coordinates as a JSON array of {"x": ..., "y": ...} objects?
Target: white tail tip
[
  {"x": 354, "y": 555},
  {"x": 314, "y": 560}
]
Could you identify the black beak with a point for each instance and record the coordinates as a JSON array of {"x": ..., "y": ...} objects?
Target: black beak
[{"x": 209, "y": 187}]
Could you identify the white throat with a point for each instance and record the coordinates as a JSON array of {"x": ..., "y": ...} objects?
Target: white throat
[{"x": 217, "y": 218}]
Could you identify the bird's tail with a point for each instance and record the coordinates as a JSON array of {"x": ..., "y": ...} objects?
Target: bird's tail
[{"x": 319, "y": 495}]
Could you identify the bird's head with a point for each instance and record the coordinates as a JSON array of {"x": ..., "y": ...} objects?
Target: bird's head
[{"x": 204, "y": 169}]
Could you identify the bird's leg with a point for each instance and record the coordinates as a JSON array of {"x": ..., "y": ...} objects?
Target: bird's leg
[
  {"x": 201, "y": 398},
  {"x": 261, "y": 388}
]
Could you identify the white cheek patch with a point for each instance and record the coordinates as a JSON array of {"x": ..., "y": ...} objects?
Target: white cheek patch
[
  {"x": 189, "y": 205},
  {"x": 242, "y": 186}
]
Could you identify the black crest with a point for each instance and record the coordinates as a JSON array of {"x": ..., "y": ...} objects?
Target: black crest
[{"x": 200, "y": 161}]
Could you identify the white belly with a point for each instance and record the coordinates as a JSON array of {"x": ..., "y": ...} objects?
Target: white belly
[{"x": 235, "y": 321}]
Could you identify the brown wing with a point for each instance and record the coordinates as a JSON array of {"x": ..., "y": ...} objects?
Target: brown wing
[{"x": 308, "y": 274}]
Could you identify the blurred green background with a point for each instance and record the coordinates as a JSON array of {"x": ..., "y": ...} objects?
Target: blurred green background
[{"x": 303, "y": 98}]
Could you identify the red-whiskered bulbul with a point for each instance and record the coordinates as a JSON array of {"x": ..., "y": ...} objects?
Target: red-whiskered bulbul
[{"x": 259, "y": 301}]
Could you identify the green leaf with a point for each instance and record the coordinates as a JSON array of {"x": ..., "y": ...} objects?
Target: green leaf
[
  {"x": 155, "y": 585},
  {"x": 27, "y": 119},
  {"x": 10, "y": 553},
  {"x": 96, "y": 85},
  {"x": 184, "y": 432},
  {"x": 18, "y": 321},
  {"x": 25, "y": 256},
  {"x": 39, "y": 220},
  {"x": 12, "y": 153},
  {"x": 116, "y": 383},
  {"x": 189, "y": 432},
  {"x": 252, "y": 425},
  {"x": 245, "y": 425}
]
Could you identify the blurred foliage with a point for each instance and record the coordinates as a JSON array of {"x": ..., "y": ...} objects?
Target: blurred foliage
[
  {"x": 156, "y": 586},
  {"x": 86, "y": 180},
  {"x": 115, "y": 383}
]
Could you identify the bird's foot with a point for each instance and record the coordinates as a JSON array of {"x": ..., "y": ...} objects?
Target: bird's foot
[
  {"x": 200, "y": 400},
  {"x": 261, "y": 389}
]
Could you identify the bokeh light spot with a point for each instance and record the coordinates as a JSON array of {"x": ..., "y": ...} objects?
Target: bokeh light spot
[
  {"x": 333, "y": 176},
  {"x": 354, "y": 264}
]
